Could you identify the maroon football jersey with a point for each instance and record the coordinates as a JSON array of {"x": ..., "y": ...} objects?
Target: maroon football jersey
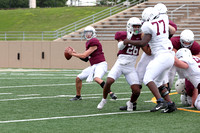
[
  {"x": 172, "y": 24},
  {"x": 129, "y": 49},
  {"x": 97, "y": 56},
  {"x": 195, "y": 48}
]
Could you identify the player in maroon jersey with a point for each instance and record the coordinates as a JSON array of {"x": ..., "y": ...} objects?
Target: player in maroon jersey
[
  {"x": 125, "y": 63},
  {"x": 188, "y": 67},
  {"x": 185, "y": 40},
  {"x": 94, "y": 53}
]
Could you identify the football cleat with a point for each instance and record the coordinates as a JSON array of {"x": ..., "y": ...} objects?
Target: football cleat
[
  {"x": 113, "y": 96},
  {"x": 76, "y": 98},
  {"x": 129, "y": 106},
  {"x": 101, "y": 104},
  {"x": 160, "y": 105},
  {"x": 170, "y": 108}
]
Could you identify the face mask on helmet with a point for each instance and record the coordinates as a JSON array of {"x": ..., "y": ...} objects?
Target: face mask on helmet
[
  {"x": 161, "y": 8},
  {"x": 187, "y": 38},
  {"x": 89, "y": 33},
  {"x": 149, "y": 13},
  {"x": 183, "y": 53},
  {"x": 133, "y": 27}
]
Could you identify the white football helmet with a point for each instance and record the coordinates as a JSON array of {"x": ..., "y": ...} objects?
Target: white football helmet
[
  {"x": 183, "y": 53},
  {"x": 149, "y": 13},
  {"x": 180, "y": 86},
  {"x": 188, "y": 37},
  {"x": 161, "y": 8},
  {"x": 183, "y": 99},
  {"x": 89, "y": 32},
  {"x": 130, "y": 29}
]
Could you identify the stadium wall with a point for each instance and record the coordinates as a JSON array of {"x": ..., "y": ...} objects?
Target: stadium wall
[{"x": 49, "y": 54}]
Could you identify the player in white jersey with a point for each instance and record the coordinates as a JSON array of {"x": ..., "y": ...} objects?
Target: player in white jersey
[
  {"x": 156, "y": 32},
  {"x": 145, "y": 59},
  {"x": 187, "y": 67},
  {"x": 125, "y": 63}
]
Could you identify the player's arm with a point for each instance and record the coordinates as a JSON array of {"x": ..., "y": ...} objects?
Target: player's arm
[
  {"x": 121, "y": 45},
  {"x": 84, "y": 59},
  {"x": 172, "y": 30},
  {"x": 175, "y": 50},
  {"x": 147, "y": 50},
  {"x": 85, "y": 54},
  {"x": 180, "y": 64},
  {"x": 141, "y": 43},
  {"x": 198, "y": 55}
]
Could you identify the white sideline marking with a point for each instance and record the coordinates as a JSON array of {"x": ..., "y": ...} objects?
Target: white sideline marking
[{"x": 77, "y": 116}]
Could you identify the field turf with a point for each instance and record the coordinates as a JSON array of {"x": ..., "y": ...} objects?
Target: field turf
[{"x": 37, "y": 101}]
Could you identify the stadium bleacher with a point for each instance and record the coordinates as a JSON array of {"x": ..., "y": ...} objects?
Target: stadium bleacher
[{"x": 183, "y": 13}]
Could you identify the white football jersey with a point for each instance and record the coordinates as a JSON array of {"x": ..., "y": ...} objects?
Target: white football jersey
[
  {"x": 193, "y": 72},
  {"x": 159, "y": 29}
]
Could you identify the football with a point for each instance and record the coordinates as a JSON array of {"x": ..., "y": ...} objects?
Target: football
[{"x": 66, "y": 54}]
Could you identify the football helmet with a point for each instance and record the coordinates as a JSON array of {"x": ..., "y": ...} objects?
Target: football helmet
[
  {"x": 161, "y": 8},
  {"x": 180, "y": 86},
  {"x": 89, "y": 32},
  {"x": 183, "y": 53},
  {"x": 149, "y": 13},
  {"x": 131, "y": 29},
  {"x": 183, "y": 99},
  {"x": 187, "y": 36}
]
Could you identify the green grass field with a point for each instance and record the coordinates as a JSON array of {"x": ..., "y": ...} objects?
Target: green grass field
[
  {"x": 43, "y": 19},
  {"x": 37, "y": 101}
]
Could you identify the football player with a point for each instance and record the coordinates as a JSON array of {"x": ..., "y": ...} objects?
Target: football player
[
  {"x": 145, "y": 59},
  {"x": 95, "y": 55},
  {"x": 156, "y": 33},
  {"x": 188, "y": 67},
  {"x": 125, "y": 63},
  {"x": 185, "y": 40}
]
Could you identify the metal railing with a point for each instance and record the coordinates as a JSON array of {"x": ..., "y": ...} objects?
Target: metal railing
[
  {"x": 96, "y": 17},
  {"x": 51, "y": 35},
  {"x": 28, "y": 35}
]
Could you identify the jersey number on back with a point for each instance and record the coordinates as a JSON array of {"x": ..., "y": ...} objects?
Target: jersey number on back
[{"x": 158, "y": 24}]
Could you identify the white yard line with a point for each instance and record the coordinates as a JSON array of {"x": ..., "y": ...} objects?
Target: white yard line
[
  {"x": 84, "y": 96},
  {"x": 77, "y": 116},
  {"x": 5, "y": 93},
  {"x": 27, "y": 95},
  {"x": 27, "y": 86},
  {"x": 30, "y": 98}
]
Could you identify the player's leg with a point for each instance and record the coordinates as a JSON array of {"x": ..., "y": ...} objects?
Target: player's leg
[
  {"x": 155, "y": 68},
  {"x": 113, "y": 75},
  {"x": 141, "y": 66},
  {"x": 82, "y": 76},
  {"x": 100, "y": 71},
  {"x": 132, "y": 79},
  {"x": 132, "y": 103}
]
